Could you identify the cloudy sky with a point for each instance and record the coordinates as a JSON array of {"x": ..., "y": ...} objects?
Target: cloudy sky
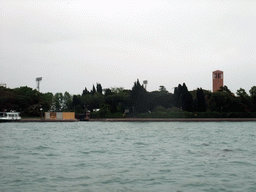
[{"x": 73, "y": 44}]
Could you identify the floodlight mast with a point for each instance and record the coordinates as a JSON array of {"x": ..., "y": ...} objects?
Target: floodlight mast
[
  {"x": 145, "y": 82},
  {"x": 38, "y": 79}
]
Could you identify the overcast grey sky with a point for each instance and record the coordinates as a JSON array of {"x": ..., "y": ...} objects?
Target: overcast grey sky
[{"x": 74, "y": 44}]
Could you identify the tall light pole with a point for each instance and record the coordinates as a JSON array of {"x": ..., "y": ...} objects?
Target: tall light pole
[
  {"x": 38, "y": 79},
  {"x": 145, "y": 82}
]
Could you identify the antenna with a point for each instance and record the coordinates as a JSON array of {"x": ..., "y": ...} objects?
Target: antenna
[
  {"x": 38, "y": 79},
  {"x": 145, "y": 82}
]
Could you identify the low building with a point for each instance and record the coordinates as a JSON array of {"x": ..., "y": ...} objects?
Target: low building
[{"x": 59, "y": 115}]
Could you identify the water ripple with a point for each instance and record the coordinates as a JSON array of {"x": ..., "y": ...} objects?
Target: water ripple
[{"x": 104, "y": 156}]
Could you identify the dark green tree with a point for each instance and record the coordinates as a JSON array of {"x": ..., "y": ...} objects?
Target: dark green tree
[
  {"x": 46, "y": 101},
  {"x": 118, "y": 102},
  {"x": 222, "y": 101},
  {"x": 160, "y": 98},
  {"x": 187, "y": 101},
  {"x": 58, "y": 104},
  {"x": 200, "y": 104},
  {"x": 78, "y": 103},
  {"x": 225, "y": 89},
  {"x": 99, "y": 88},
  {"x": 108, "y": 92},
  {"x": 162, "y": 88},
  {"x": 252, "y": 92},
  {"x": 183, "y": 98},
  {"x": 85, "y": 91},
  {"x": 139, "y": 98},
  {"x": 177, "y": 96},
  {"x": 93, "y": 90},
  {"x": 67, "y": 102},
  {"x": 26, "y": 100}
]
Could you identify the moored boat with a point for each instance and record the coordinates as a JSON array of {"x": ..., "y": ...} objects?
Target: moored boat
[{"x": 9, "y": 116}]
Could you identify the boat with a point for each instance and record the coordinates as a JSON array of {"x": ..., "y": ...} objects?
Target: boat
[{"x": 9, "y": 116}]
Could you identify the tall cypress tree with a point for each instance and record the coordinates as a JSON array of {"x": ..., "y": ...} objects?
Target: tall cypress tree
[
  {"x": 99, "y": 88},
  {"x": 93, "y": 90},
  {"x": 200, "y": 105},
  {"x": 85, "y": 91},
  {"x": 139, "y": 98},
  {"x": 177, "y": 96},
  {"x": 187, "y": 101},
  {"x": 183, "y": 98}
]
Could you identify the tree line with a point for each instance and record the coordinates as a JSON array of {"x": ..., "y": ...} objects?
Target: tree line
[{"x": 135, "y": 102}]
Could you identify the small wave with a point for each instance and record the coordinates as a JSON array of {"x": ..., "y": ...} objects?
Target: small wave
[
  {"x": 17, "y": 181},
  {"x": 124, "y": 171},
  {"x": 84, "y": 185},
  {"x": 80, "y": 165},
  {"x": 83, "y": 177},
  {"x": 51, "y": 155},
  {"x": 9, "y": 157},
  {"x": 165, "y": 170},
  {"x": 227, "y": 150},
  {"x": 97, "y": 151},
  {"x": 41, "y": 179},
  {"x": 41, "y": 147},
  {"x": 190, "y": 152},
  {"x": 109, "y": 181},
  {"x": 242, "y": 163},
  {"x": 140, "y": 143},
  {"x": 33, "y": 153}
]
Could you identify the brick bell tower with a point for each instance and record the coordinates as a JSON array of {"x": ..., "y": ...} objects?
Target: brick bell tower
[{"x": 217, "y": 80}]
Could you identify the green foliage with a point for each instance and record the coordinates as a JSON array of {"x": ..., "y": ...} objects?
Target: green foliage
[
  {"x": 162, "y": 88},
  {"x": 224, "y": 102},
  {"x": 99, "y": 88},
  {"x": 26, "y": 100},
  {"x": 85, "y": 91},
  {"x": 139, "y": 98},
  {"x": 108, "y": 92},
  {"x": 62, "y": 102},
  {"x": 183, "y": 98},
  {"x": 77, "y": 100},
  {"x": 92, "y": 101},
  {"x": 160, "y": 98},
  {"x": 200, "y": 104},
  {"x": 118, "y": 101},
  {"x": 253, "y": 91},
  {"x": 160, "y": 109},
  {"x": 117, "y": 89},
  {"x": 93, "y": 90},
  {"x": 67, "y": 102},
  {"x": 225, "y": 89},
  {"x": 57, "y": 103},
  {"x": 138, "y": 101}
]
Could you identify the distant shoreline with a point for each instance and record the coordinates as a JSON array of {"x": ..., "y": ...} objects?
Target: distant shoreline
[
  {"x": 172, "y": 119},
  {"x": 144, "y": 120},
  {"x": 26, "y": 120}
]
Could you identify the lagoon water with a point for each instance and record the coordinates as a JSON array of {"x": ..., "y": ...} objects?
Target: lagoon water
[{"x": 130, "y": 156}]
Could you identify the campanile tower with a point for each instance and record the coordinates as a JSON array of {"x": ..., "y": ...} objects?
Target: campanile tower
[{"x": 217, "y": 80}]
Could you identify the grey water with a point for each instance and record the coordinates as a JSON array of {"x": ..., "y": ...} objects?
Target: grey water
[{"x": 128, "y": 156}]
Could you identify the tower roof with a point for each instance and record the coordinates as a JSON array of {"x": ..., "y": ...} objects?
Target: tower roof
[{"x": 218, "y": 71}]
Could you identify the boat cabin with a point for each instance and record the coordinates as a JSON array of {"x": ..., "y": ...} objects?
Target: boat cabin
[{"x": 9, "y": 116}]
